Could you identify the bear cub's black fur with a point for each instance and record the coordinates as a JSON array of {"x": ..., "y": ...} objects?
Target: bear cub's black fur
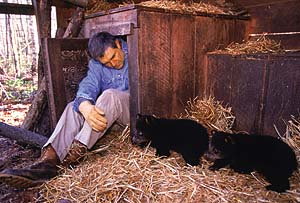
[
  {"x": 184, "y": 136},
  {"x": 265, "y": 154}
]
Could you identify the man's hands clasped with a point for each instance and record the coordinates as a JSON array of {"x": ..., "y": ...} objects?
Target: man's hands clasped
[{"x": 94, "y": 116}]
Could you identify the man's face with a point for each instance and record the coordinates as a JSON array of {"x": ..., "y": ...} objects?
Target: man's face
[{"x": 113, "y": 57}]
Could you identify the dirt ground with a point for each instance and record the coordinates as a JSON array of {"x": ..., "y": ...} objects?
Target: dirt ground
[{"x": 13, "y": 155}]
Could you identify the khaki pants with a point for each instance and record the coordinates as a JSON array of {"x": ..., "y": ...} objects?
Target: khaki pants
[{"x": 71, "y": 125}]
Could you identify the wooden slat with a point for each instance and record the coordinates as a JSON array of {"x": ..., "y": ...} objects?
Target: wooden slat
[
  {"x": 133, "y": 71},
  {"x": 238, "y": 83},
  {"x": 182, "y": 61},
  {"x": 22, "y": 9},
  {"x": 117, "y": 23},
  {"x": 53, "y": 73},
  {"x": 115, "y": 29},
  {"x": 212, "y": 34},
  {"x": 280, "y": 17},
  {"x": 283, "y": 95},
  {"x": 262, "y": 89},
  {"x": 155, "y": 80},
  {"x": 259, "y": 3}
]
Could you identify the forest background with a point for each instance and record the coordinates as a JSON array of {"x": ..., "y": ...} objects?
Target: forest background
[{"x": 19, "y": 52}]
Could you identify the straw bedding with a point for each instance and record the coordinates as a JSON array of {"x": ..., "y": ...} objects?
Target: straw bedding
[
  {"x": 182, "y": 7},
  {"x": 117, "y": 171},
  {"x": 261, "y": 45}
]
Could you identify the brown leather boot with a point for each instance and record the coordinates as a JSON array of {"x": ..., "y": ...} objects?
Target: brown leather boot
[
  {"x": 76, "y": 153},
  {"x": 43, "y": 169}
]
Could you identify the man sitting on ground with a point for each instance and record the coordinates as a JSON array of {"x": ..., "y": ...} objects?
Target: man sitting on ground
[{"x": 102, "y": 99}]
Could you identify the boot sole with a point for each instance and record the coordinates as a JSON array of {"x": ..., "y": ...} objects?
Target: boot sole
[{"x": 19, "y": 181}]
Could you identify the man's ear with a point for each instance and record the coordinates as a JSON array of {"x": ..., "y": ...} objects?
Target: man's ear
[{"x": 118, "y": 44}]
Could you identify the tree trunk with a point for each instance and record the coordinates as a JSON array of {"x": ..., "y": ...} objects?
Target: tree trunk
[
  {"x": 74, "y": 26},
  {"x": 36, "y": 108},
  {"x": 35, "y": 119},
  {"x": 22, "y": 136}
]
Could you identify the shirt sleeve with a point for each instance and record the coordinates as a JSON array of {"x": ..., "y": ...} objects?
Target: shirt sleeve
[{"x": 90, "y": 86}]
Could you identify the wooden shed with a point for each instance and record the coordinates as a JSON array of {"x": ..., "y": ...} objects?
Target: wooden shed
[{"x": 166, "y": 54}]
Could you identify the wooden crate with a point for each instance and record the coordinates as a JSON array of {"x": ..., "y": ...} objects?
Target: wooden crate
[
  {"x": 166, "y": 53},
  {"x": 262, "y": 89}
]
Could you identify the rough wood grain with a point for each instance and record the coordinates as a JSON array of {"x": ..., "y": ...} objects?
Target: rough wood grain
[{"x": 21, "y": 135}]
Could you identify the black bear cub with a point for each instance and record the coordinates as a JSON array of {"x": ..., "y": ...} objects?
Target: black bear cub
[
  {"x": 184, "y": 136},
  {"x": 268, "y": 155}
]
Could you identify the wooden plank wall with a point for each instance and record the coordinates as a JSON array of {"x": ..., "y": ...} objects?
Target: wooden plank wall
[
  {"x": 212, "y": 34},
  {"x": 172, "y": 48},
  {"x": 261, "y": 89},
  {"x": 273, "y": 15},
  {"x": 283, "y": 93},
  {"x": 155, "y": 73},
  {"x": 183, "y": 61},
  {"x": 238, "y": 83}
]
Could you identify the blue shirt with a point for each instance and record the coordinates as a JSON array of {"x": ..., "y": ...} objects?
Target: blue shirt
[{"x": 99, "y": 78}]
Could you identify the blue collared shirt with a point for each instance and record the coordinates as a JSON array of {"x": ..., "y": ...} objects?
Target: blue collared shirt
[{"x": 99, "y": 78}]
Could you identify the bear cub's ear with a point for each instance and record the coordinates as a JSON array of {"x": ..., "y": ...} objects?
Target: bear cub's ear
[
  {"x": 229, "y": 139},
  {"x": 138, "y": 115},
  {"x": 213, "y": 132},
  {"x": 150, "y": 120}
]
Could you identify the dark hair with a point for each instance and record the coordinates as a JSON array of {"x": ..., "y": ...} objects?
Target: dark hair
[{"x": 99, "y": 42}]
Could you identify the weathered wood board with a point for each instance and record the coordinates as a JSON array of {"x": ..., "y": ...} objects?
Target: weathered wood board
[
  {"x": 66, "y": 64},
  {"x": 262, "y": 89}
]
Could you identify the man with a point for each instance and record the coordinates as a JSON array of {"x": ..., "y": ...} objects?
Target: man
[{"x": 102, "y": 99}]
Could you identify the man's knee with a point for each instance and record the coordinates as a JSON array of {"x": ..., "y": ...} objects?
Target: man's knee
[
  {"x": 69, "y": 106},
  {"x": 113, "y": 95},
  {"x": 110, "y": 92}
]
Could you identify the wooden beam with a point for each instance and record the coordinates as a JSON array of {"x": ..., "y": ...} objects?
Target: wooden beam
[
  {"x": 259, "y": 3},
  {"x": 81, "y": 3},
  {"x": 75, "y": 24},
  {"x": 22, "y": 9}
]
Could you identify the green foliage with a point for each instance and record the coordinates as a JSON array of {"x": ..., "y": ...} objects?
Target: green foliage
[{"x": 19, "y": 89}]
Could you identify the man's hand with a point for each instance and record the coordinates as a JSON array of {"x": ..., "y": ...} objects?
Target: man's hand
[{"x": 94, "y": 116}]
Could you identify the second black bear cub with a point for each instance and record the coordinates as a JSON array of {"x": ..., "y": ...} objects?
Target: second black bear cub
[
  {"x": 184, "y": 136},
  {"x": 268, "y": 155}
]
